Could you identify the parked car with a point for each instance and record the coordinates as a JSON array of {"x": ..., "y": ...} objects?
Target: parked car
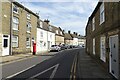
[
  {"x": 64, "y": 46},
  {"x": 55, "y": 48}
]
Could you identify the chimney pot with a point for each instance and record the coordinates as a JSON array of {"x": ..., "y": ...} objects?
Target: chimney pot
[
  {"x": 47, "y": 21},
  {"x": 69, "y": 32}
]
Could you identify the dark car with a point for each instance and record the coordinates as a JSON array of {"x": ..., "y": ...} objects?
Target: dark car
[{"x": 64, "y": 46}]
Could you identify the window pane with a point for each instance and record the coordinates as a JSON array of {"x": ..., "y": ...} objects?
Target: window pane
[
  {"x": 27, "y": 42},
  {"x": 14, "y": 41},
  {"x": 28, "y": 16},
  {"x": 15, "y": 9},
  {"x": 5, "y": 42},
  {"x": 15, "y": 26},
  {"x": 102, "y": 13}
]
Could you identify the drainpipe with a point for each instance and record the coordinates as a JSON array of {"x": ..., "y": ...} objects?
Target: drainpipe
[{"x": 11, "y": 15}]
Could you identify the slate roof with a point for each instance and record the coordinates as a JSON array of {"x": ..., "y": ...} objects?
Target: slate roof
[
  {"x": 81, "y": 37},
  {"x": 20, "y": 5},
  {"x": 68, "y": 36},
  {"x": 74, "y": 36},
  {"x": 45, "y": 26},
  {"x": 59, "y": 30}
]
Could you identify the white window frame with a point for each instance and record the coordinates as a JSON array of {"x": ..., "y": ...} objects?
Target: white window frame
[
  {"x": 41, "y": 43},
  {"x": 15, "y": 22},
  {"x": 50, "y": 28},
  {"x": 102, "y": 47},
  {"x": 102, "y": 13},
  {"x": 93, "y": 46},
  {"x": 41, "y": 34},
  {"x": 28, "y": 16},
  {"x": 41, "y": 24},
  {"x": 28, "y": 44},
  {"x": 28, "y": 27},
  {"x": 15, "y": 41},
  {"x": 93, "y": 24},
  {"x": 16, "y": 9},
  {"x": 61, "y": 32},
  {"x": 51, "y": 36},
  {"x": 56, "y": 31}
]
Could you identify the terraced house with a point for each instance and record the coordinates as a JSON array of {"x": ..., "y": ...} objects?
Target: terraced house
[
  {"x": 59, "y": 36},
  {"x": 103, "y": 36},
  {"x": 42, "y": 33},
  {"x": 75, "y": 38},
  {"x": 68, "y": 38},
  {"x": 19, "y": 26},
  {"x": 50, "y": 34}
]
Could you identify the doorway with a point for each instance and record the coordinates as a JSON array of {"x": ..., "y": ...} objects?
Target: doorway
[
  {"x": 113, "y": 56},
  {"x": 5, "y": 45}
]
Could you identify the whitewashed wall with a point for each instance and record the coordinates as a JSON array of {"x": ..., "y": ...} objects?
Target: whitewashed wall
[
  {"x": 41, "y": 42},
  {"x": 75, "y": 41},
  {"x": 51, "y": 39}
]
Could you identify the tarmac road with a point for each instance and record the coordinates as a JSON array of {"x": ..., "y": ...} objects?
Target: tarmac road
[{"x": 59, "y": 66}]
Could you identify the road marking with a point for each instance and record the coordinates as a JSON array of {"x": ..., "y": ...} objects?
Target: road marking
[
  {"x": 21, "y": 71},
  {"x": 53, "y": 73},
  {"x": 73, "y": 69}
]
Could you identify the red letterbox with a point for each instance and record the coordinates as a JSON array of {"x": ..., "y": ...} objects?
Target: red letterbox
[{"x": 34, "y": 48}]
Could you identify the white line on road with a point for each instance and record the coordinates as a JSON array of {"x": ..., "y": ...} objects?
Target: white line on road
[
  {"x": 53, "y": 73},
  {"x": 21, "y": 71}
]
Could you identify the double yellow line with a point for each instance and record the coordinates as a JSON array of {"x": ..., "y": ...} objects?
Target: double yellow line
[{"x": 73, "y": 69}]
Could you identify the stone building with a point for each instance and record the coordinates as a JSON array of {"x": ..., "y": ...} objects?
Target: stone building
[
  {"x": 68, "y": 38},
  {"x": 103, "y": 36},
  {"x": 19, "y": 26}
]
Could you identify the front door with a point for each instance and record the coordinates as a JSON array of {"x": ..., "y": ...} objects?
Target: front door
[
  {"x": 113, "y": 43},
  {"x": 5, "y": 45}
]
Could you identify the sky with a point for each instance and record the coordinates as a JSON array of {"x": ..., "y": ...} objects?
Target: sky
[{"x": 68, "y": 14}]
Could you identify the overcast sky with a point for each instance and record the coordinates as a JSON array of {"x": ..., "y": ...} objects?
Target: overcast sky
[{"x": 67, "y": 14}]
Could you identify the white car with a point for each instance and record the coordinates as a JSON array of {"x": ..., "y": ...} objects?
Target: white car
[{"x": 55, "y": 48}]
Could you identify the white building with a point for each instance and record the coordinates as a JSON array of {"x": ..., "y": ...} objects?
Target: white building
[
  {"x": 81, "y": 40},
  {"x": 75, "y": 38},
  {"x": 42, "y": 41},
  {"x": 45, "y": 37},
  {"x": 51, "y": 37}
]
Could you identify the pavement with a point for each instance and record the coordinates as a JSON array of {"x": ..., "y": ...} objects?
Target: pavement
[
  {"x": 88, "y": 68},
  {"x": 10, "y": 58}
]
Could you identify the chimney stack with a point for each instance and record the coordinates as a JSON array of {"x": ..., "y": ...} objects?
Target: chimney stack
[
  {"x": 74, "y": 33},
  {"x": 47, "y": 21},
  {"x": 69, "y": 32}
]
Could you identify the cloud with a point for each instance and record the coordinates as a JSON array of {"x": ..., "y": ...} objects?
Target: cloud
[{"x": 67, "y": 15}]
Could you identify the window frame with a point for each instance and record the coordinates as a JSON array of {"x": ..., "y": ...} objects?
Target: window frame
[
  {"x": 56, "y": 31},
  {"x": 50, "y": 28},
  {"x": 41, "y": 24},
  {"x": 93, "y": 24},
  {"x": 28, "y": 26},
  {"x": 28, "y": 16},
  {"x": 41, "y": 34},
  {"x": 94, "y": 46},
  {"x": 15, "y": 22},
  {"x": 17, "y": 12},
  {"x": 16, "y": 41},
  {"x": 102, "y": 13},
  {"x": 28, "y": 42}
]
